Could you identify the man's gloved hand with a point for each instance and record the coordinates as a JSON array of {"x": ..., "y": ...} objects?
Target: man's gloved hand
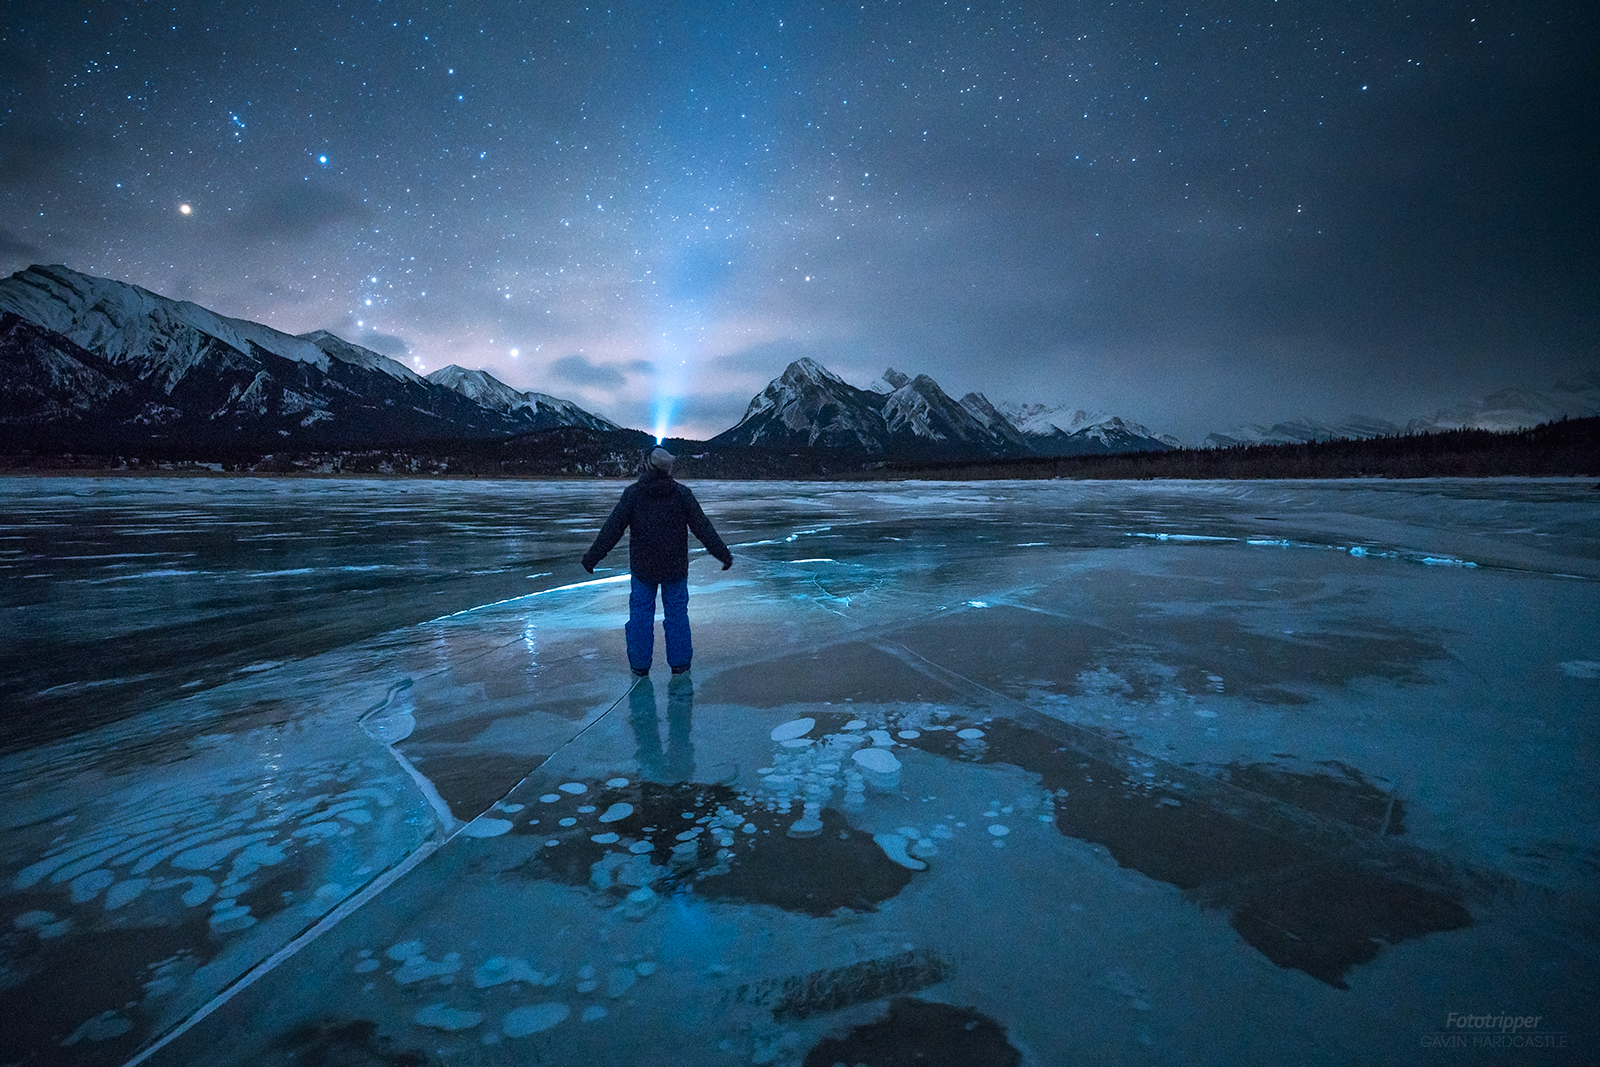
[
  {"x": 727, "y": 563},
  {"x": 588, "y": 566}
]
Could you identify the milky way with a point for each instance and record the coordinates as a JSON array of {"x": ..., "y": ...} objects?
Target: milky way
[{"x": 1190, "y": 215}]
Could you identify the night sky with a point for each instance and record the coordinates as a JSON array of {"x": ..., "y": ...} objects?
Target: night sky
[{"x": 1191, "y": 215}]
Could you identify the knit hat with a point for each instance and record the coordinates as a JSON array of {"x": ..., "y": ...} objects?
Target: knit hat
[{"x": 661, "y": 459}]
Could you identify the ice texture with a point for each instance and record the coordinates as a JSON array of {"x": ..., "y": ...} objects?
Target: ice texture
[{"x": 1229, "y": 759}]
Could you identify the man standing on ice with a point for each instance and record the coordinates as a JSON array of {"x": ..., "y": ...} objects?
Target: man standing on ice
[{"x": 661, "y": 513}]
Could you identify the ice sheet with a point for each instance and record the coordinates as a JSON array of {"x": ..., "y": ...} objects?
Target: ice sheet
[{"x": 997, "y": 760}]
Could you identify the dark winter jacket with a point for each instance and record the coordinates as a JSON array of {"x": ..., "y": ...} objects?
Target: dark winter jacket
[{"x": 661, "y": 513}]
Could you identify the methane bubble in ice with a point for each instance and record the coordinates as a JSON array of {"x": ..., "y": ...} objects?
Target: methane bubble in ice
[
  {"x": 573, "y": 787},
  {"x": 877, "y": 760},
  {"x": 969, "y": 734},
  {"x": 616, "y": 812},
  {"x": 894, "y": 846},
  {"x": 486, "y": 827},
  {"x": 520, "y": 1022},
  {"x": 792, "y": 729}
]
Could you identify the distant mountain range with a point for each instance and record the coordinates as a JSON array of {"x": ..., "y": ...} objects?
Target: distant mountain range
[
  {"x": 91, "y": 365},
  {"x": 1502, "y": 412},
  {"x": 810, "y": 407}
]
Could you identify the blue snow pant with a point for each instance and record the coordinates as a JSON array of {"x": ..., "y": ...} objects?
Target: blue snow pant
[{"x": 641, "y": 626}]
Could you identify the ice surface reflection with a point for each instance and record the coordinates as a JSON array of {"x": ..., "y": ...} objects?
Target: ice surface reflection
[{"x": 1015, "y": 773}]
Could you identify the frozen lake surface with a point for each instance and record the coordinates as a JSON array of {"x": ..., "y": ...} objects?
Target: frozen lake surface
[{"x": 341, "y": 772}]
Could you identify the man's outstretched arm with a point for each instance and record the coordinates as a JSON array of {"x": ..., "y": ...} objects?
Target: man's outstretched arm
[
  {"x": 701, "y": 527},
  {"x": 610, "y": 533}
]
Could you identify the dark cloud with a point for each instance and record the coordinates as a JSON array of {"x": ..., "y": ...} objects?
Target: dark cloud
[
  {"x": 294, "y": 211},
  {"x": 580, "y": 370},
  {"x": 387, "y": 344},
  {"x": 30, "y": 150},
  {"x": 13, "y": 246}
]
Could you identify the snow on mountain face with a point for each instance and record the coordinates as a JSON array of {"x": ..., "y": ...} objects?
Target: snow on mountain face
[
  {"x": 160, "y": 339},
  {"x": 540, "y": 408},
  {"x": 340, "y": 349},
  {"x": 809, "y": 405},
  {"x": 1517, "y": 409}
]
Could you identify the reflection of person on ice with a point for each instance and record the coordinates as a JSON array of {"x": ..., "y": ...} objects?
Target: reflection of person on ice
[{"x": 661, "y": 513}]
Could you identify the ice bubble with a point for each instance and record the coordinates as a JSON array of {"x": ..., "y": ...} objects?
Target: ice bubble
[
  {"x": 86, "y": 887},
  {"x": 594, "y": 1013},
  {"x": 971, "y": 733},
  {"x": 1205, "y": 713},
  {"x": 908, "y": 831},
  {"x": 534, "y": 1018},
  {"x": 125, "y": 892},
  {"x": 620, "y": 980},
  {"x": 616, "y": 812},
  {"x": 797, "y": 742},
  {"x": 510, "y": 809},
  {"x": 405, "y": 950},
  {"x": 856, "y": 724},
  {"x": 924, "y": 848},
  {"x": 876, "y": 760},
  {"x": 29, "y": 920},
  {"x": 806, "y": 826},
  {"x": 568, "y": 821},
  {"x": 587, "y": 809},
  {"x": 418, "y": 967},
  {"x": 574, "y": 788},
  {"x": 894, "y": 846},
  {"x": 604, "y": 839},
  {"x": 441, "y": 1017},
  {"x": 793, "y": 728},
  {"x": 616, "y": 783},
  {"x": 999, "y": 829},
  {"x": 881, "y": 737},
  {"x": 909, "y": 735},
  {"x": 550, "y": 798},
  {"x": 764, "y": 770},
  {"x": 645, "y": 968},
  {"x": 366, "y": 966},
  {"x": 483, "y": 826}
]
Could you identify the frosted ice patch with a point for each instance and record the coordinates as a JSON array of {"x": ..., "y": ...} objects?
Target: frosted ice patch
[
  {"x": 604, "y": 839},
  {"x": 442, "y": 1017},
  {"x": 573, "y": 787},
  {"x": 1581, "y": 668},
  {"x": 617, "y": 812},
  {"x": 616, "y": 783},
  {"x": 792, "y": 729},
  {"x": 534, "y": 1018},
  {"x": 971, "y": 733},
  {"x": 486, "y": 827},
  {"x": 103, "y": 1027},
  {"x": 876, "y": 759}
]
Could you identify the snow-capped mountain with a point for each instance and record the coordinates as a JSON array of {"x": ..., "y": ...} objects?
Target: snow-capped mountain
[
  {"x": 94, "y": 363},
  {"x": 1503, "y": 411},
  {"x": 1301, "y": 431},
  {"x": 900, "y": 416},
  {"x": 1063, "y": 430},
  {"x": 1515, "y": 409},
  {"x": 810, "y": 406},
  {"x": 541, "y": 410}
]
